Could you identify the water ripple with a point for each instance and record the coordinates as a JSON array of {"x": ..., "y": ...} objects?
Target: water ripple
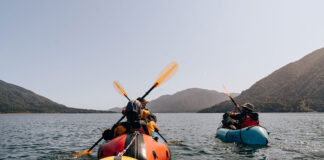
[{"x": 57, "y": 136}]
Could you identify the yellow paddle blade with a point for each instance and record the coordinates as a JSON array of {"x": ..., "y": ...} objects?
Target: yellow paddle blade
[
  {"x": 119, "y": 88},
  {"x": 79, "y": 154},
  {"x": 167, "y": 73},
  {"x": 226, "y": 91}
]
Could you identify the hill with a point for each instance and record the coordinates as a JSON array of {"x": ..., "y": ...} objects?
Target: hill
[
  {"x": 116, "y": 109},
  {"x": 15, "y": 99},
  {"x": 189, "y": 100},
  {"x": 296, "y": 87}
]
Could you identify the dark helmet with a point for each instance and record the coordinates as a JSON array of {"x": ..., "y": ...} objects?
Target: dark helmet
[
  {"x": 142, "y": 100},
  {"x": 248, "y": 106},
  {"x": 133, "y": 110}
]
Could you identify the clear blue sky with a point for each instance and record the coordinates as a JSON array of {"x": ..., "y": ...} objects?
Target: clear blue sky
[{"x": 72, "y": 51}]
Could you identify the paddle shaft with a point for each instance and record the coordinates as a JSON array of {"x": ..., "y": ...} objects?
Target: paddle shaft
[
  {"x": 236, "y": 105},
  {"x": 155, "y": 84},
  {"x": 161, "y": 136},
  {"x": 95, "y": 144},
  {"x": 233, "y": 101},
  {"x": 127, "y": 97},
  {"x": 102, "y": 137}
]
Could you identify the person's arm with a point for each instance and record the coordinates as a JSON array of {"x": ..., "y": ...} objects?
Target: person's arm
[
  {"x": 236, "y": 116},
  {"x": 124, "y": 110},
  {"x": 156, "y": 127},
  {"x": 237, "y": 108}
]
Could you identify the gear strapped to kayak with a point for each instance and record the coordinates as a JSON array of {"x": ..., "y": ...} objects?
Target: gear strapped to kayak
[{"x": 123, "y": 152}]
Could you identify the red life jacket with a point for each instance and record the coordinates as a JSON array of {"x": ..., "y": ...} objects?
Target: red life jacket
[{"x": 249, "y": 122}]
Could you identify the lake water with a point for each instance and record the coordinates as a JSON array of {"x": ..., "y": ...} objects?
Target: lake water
[{"x": 56, "y": 136}]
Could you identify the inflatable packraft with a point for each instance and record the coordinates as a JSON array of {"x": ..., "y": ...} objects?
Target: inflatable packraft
[
  {"x": 135, "y": 146},
  {"x": 253, "y": 135}
]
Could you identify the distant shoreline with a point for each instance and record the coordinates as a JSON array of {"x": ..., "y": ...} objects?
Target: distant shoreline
[
  {"x": 155, "y": 113},
  {"x": 60, "y": 113}
]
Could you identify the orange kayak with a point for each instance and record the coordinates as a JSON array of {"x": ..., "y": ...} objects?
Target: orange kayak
[{"x": 135, "y": 145}]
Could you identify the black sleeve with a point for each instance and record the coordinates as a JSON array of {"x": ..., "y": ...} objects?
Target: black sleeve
[
  {"x": 108, "y": 134},
  {"x": 226, "y": 115},
  {"x": 236, "y": 117},
  {"x": 254, "y": 116}
]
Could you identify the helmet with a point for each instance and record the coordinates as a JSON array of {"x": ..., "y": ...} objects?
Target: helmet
[{"x": 248, "y": 106}]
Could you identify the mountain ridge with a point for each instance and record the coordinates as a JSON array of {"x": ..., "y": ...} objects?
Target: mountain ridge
[
  {"x": 187, "y": 101},
  {"x": 16, "y": 99},
  {"x": 295, "y": 87},
  {"x": 159, "y": 104}
]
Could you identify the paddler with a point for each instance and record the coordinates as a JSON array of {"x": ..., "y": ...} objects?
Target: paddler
[
  {"x": 246, "y": 118},
  {"x": 134, "y": 112},
  {"x": 149, "y": 117}
]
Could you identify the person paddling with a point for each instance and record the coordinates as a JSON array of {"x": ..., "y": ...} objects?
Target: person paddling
[
  {"x": 165, "y": 75},
  {"x": 133, "y": 113},
  {"x": 149, "y": 117},
  {"x": 138, "y": 119},
  {"x": 246, "y": 118}
]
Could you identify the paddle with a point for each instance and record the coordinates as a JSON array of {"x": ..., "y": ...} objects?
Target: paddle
[
  {"x": 120, "y": 89},
  {"x": 164, "y": 76},
  {"x": 170, "y": 142},
  {"x": 237, "y": 107},
  {"x": 162, "y": 137}
]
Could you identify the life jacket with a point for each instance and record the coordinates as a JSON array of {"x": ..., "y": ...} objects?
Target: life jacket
[
  {"x": 151, "y": 127},
  {"x": 248, "y": 121},
  {"x": 140, "y": 126},
  {"x": 127, "y": 127},
  {"x": 146, "y": 113}
]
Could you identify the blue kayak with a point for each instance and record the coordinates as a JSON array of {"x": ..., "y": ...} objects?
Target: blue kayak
[{"x": 253, "y": 135}]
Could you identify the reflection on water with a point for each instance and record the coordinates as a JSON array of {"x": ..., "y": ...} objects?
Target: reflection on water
[{"x": 57, "y": 136}]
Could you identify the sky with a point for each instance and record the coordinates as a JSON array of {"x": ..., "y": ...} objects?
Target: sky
[{"x": 72, "y": 51}]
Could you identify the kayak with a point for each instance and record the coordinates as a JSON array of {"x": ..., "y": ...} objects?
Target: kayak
[
  {"x": 253, "y": 135},
  {"x": 135, "y": 146}
]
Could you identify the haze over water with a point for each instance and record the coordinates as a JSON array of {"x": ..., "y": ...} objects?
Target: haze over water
[{"x": 56, "y": 136}]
